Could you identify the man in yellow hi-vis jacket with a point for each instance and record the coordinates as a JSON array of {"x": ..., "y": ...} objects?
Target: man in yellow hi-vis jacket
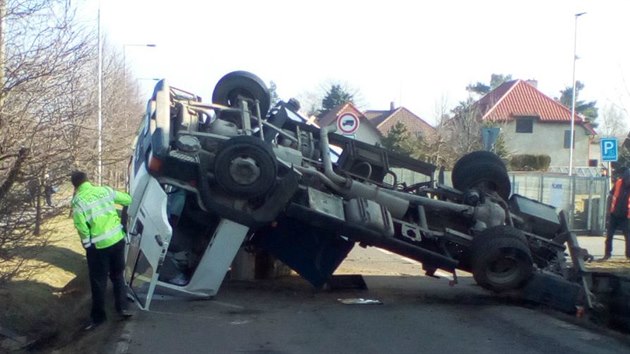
[{"x": 99, "y": 226}]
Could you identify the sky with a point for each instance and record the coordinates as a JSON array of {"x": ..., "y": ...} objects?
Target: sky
[{"x": 417, "y": 54}]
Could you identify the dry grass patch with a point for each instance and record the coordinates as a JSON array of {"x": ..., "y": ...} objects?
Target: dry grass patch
[
  {"x": 51, "y": 299},
  {"x": 617, "y": 266}
]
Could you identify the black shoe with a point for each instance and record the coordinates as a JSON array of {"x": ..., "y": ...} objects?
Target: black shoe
[
  {"x": 92, "y": 326},
  {"x": 125, "y": 314},
  {"x": 605, "y": 258}
]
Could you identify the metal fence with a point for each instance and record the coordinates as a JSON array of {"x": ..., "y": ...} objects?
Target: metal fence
[{"x": 582, "y": 197}]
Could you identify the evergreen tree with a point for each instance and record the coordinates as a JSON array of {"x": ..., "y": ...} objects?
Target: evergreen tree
[
  {"x": 495, "y": 81},
  {"x": 397, "y": 139},
  {"x": 401, "y": 140},
  {"x": 335, "y": 96},
  {"x": 623, "y": 161},
  {"x": 586, "y": 109}
]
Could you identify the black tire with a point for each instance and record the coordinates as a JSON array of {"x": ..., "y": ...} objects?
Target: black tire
[
  {"x": 245, "y": 84},
  {"x": 501, "y": 259},
  {"x": 484, "y": 170},
  {"x": 486, "y": 156},
  {"x": 245, "y": 167}
]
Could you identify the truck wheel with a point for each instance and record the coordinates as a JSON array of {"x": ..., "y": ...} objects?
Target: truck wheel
[
  {"x": 484, "y": 170},
  {"x": 242, "y": 83},
  {"x": 501, "y": 259},
  {"x": 486, "y": 156},
  {"x": 245, "y": 167}
]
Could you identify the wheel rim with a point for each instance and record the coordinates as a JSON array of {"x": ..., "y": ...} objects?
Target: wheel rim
[
  {"x": 501, "y": 258},
  {"x": 245, "y": 167},
  {"x": 505, "y": 268},
  {"x": 244, "y": 170}
]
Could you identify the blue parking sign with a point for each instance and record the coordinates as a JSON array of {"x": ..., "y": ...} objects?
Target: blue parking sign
[{"x": 609, "y": 149}]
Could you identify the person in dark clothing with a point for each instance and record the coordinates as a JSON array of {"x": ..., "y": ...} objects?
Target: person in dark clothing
[
  {"x": 49, "y": 190},
  {"x": 619, "y": 213}
]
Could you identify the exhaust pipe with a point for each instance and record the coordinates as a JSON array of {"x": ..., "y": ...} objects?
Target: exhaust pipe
[
  {"x": 397, "y": 206},
  {"x": 324, "y": 145}
]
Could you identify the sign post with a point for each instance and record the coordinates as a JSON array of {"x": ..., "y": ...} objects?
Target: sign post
[
  {"x": 489, "y": 137},
  {"x": 610, "y": 153}
]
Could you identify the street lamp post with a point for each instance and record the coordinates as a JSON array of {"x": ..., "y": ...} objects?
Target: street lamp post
[
  {"x": 572, "y": 133},
  {"x": 99, "y": 168},
  {"x": 150, "y": 45},
  {"x": 126, "y": 101}
]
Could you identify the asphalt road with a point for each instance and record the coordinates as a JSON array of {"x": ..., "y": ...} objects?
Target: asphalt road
[
  {"x": 417, "y": 315},
  {"x": 595, "y": 246}
]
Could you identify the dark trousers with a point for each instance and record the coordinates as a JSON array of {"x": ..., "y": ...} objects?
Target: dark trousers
[
  {"x": 615, "y": 223},
  {"x": 102, "y": 262}
]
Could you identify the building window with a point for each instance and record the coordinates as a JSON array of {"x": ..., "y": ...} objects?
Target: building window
[
  {"x": 567, "y": 139},
  {"x": 525, "y": 124}
]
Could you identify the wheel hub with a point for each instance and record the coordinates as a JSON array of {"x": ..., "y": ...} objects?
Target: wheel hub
[
  {"x": 244, "y": 170},
  {"x": 503, "y": 269}
]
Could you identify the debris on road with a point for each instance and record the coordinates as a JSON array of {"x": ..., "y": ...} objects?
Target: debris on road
[{"x": 359, "y": 301}]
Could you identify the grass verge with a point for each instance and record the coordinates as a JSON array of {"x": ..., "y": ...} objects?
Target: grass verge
[{"x": 45, "y": 312}]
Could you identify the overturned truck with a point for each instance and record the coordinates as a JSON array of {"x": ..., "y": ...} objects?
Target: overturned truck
[{"x": 208, "y": 178}]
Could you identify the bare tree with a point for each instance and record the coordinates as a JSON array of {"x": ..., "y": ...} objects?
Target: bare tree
[
  {"x": 613, "y": 121},
  {"x": 41, "y": 53},
  {"x": 438, "y": 148},
  {"x": 310, "y": 101},
  {"x": 459, "y": 134},
  {"x": 122, "y": 112},
  {"x": 48, "y": 95}
]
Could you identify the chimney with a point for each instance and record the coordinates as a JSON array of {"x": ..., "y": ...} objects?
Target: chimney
[
  {"x": 392, "y": 106},
  {"x": 533, "y": 83}
]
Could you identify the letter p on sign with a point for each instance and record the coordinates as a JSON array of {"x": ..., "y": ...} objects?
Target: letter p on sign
[{"x": 608, "y": 149}]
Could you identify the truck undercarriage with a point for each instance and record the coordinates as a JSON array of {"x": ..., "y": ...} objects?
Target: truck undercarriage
[{"x": 210, "y": 178}]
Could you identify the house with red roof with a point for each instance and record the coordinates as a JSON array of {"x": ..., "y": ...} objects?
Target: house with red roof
[
  {"x": 386, "y": 120},
  {"x": 533, "y": 123}
]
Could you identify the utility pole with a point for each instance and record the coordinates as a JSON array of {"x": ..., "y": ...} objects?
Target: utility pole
[
  {"x": 100, "y": 101},
  {"x": 571, "y": 138},
  {"x": 3, "y": 16}
]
